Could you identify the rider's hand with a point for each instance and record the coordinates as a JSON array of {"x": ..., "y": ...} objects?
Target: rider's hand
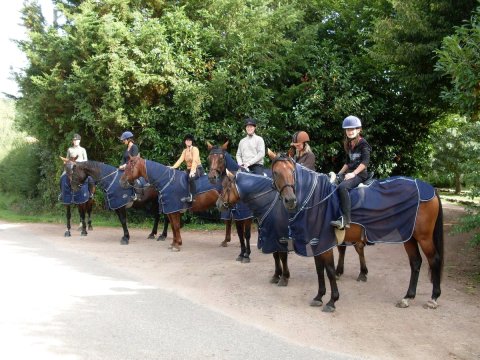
[
  {"x": 349, "y": 176},
  {"x": 192, "y": 174}
]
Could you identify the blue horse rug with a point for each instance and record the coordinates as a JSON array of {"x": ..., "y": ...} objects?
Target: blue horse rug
[
  {"x": 386, "y": 209},
  {"x": 68, "y": 196},
  {"x": 258, "y": 194},
  {"x": 172, "y": 185}
]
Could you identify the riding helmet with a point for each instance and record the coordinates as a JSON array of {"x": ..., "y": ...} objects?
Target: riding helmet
[
  {"x": 351, "y": 122},
  {"x": 300, "y": 137},
  {"x": 189, "y": 137},
  {"x": 77, "y": 137},
  {"x": 126, "y": 135},
  {"x": 250, "y": 121}
]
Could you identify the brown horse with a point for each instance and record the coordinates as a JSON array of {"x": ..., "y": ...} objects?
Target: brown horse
[
  {"x": 427, "y": 233},
  {"x": 106, "y": 178},
  {"x": 165, "y": 179},
  {"x": 84, "y": 208},
  {"x": 219, "y": 161}
]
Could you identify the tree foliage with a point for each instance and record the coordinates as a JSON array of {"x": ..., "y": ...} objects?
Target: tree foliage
[{"x": 165, "y": 68}]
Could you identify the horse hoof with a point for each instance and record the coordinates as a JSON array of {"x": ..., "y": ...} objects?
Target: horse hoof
[
  {"x": 224, "y": 243},
  {"x": 316, "y": 303},
  {"x": 175, "y": 249},
  {"x": 84, "y": 233},
  {"x": 124, "y": 241},
  {"x": 245, "y": 260},
  {"x": 162, "y": 238},
  {"x": 328, "y": 309},
  {"x": 403, "y": 304},
  {"x": 362, "y": 277},
  {"x": 90, "y": 227},
  {"x": 431, "y": 304},
  {"x": 283, "y": 281},
  {"x": 239, "y": 258},
  {"x": 151, "y": 236},
  {"x": 275, "y": 279},
  {"x": 67, "y": 233}
]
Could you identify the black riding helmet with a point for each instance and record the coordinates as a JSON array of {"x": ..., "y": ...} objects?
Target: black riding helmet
[{"x": 189, "y": 137}]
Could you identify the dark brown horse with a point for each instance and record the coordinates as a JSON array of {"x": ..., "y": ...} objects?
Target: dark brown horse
[
  {"x": 219, "y": 161},
  {"x": 84, "y": 208},
  {"x": 427, "y": 233},
  {"x": 165, "y": 179},
  {"x": 106, "y": 177}
]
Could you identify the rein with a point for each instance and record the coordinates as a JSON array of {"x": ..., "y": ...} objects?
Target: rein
[{"x": 283, "y": 157}]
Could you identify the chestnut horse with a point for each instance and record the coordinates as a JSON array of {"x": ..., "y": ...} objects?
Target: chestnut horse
[
  {"x": 84, "y": 207},
  {"x": 424, "y": 230},
  {"x": 106, "y": 177},
  {"x": 168, "y": 182},
  {"x": 219, "y": 161}
]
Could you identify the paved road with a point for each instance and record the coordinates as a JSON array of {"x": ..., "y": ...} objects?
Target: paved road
[{"x": 55, "y": 304}]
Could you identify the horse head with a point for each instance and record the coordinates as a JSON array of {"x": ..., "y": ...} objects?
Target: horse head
[
  {"x": 283, "y": 174},
  {"x": 229, "y": 195},
  {"x": 216, "y": 162},
  {"x": 75, "y": 175},
  {"x": 134, "y": 169}
]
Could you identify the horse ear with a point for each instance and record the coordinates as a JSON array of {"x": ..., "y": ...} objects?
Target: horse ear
[
  {"x": 209, "y": 146},
  {"x": 271, "y": 154},
  {"x": 225, "y": 146},
  {"x": 229, "y": 174}
]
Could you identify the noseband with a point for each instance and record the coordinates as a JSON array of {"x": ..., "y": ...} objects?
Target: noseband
[{"x": 218, "y": 151}]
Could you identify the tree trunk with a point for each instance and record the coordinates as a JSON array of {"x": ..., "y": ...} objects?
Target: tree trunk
[{"x": 458, "y": 185}]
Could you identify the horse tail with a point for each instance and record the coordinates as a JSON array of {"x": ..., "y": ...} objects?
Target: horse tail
[{"x": 437, "y": 265}]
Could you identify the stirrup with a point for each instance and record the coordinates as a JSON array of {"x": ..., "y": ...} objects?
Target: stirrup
[
  {"x": 340, "y": 223},
  {"x": 187, "y": 199},
  {"x": 134, "y": 197}
]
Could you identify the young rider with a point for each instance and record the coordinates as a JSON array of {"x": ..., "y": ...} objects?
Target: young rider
[
  {"x": 354, "y": 171},
  {"x": 191, "y": 156},
  {"x": 301, "y": 151},
  {"x": 251, "y": 149},
  {"x": 78, "y": 152},
  {"x": 131, "y": 150}
]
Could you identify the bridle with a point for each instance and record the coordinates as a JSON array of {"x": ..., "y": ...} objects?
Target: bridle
[
  {"x": 131, "y": 164},
  {"x": 283, "y": 157},
  {"x": 221, "y": 157},
  {"x": 226, "y": 192}
]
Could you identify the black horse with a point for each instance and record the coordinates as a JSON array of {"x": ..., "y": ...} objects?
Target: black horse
[
  {"x": 81, "y": 199},
  {"x": 107, "y": 177}
]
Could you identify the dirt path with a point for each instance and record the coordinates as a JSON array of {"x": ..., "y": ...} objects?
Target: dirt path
[{"x": 366, "y": 323}]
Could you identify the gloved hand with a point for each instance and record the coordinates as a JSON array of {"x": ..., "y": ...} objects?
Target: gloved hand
[{"x": 192, "y": 175}]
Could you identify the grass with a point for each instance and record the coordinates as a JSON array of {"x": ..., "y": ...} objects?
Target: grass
[{"x": 14, "y": 208}]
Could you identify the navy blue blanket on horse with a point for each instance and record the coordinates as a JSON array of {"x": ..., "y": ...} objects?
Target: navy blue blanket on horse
[
  {"x": 262, "y": 199},
  {"x": 68, "y": 196},
  {"x": 386, "y": 209},
  {"x": 172, "y": 185}
]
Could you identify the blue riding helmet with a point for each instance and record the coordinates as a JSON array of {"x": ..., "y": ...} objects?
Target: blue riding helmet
[
  {"x": 351, "y": 122},
  {"x": 126, "y": 135}
]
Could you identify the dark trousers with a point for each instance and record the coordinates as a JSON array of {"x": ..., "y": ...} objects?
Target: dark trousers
[
  {"x": 192, "y": 188},
  {"x": 256, "y": 169},
  {"x": 345, "y": 202}
]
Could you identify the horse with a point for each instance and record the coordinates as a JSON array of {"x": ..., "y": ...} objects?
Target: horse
[
  {"x": 172, "y": 185},
  {"x": 375, "y": 217},
  {"x": 106, "y": 177},
  {"x": 82, "y": 198},
  {"x": 219, "y": 161}
]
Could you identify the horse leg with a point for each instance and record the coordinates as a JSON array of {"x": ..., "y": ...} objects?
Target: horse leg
[
  {"x": 81, "y": 211},
  {"x": 319, "y": 267},
  {"x": 155, "y": 226},
  {"x": 415, "y": 260},
  {"x": 283, "y": 255},
  {"x": 89, "y": 213},
  {"x": 278, "y": 268},
  {"x": 69, "y": 216},
  {"x": 122, "y": 216},
  {"x": 164, "y": 233},
  {"x": 228, "y": 233},
  {"x": 329, "y": 264},
  {"x": 243, "y": 249},
  {"x": 341, "y": 260},
  {"x": 246, "y": 226},
  {"x": 360, "y": 247},
  {"x": 175, "y": 220}
]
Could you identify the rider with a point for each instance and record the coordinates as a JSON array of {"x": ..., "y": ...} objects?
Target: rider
[
  {"x": 251, "y": 149},
  {"x": 131, "y": 150},
  {"x": 80, "y": 154},
  {"x": 354, "y": 171},
  {"x": 191, "y": 156},
  {"x": 301, "y": 151}
]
